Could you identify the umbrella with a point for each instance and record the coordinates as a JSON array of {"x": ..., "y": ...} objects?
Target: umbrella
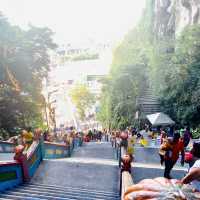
[{"x": 160, "y": 119}]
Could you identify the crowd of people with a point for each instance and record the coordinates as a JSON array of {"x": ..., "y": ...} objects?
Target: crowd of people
[
  {"x": 173, "y": 144},
  {"x": 93, "y": 134},
  {"x": 28, "y": 135},
  {"x": 25, "y": 138},
  {"x": 62, "y": 136},
  {"x": 172, "y": 147}
]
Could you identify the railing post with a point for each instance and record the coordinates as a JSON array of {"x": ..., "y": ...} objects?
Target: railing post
[
  {"x": 117, "y": 153},
  {"x": 120, "y": 182},
  {"x": 73, "y": 143},
  {"x": 22, "y": 159},
  {"x": 69, "y": 150},
  {"x": 42, "y": 147},
  {"x": 120, "y": 155},
  {"x": 80, "y": 141},
  {"x": 71, "y": 146}
]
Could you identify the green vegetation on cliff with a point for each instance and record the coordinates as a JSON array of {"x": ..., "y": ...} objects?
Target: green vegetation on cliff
[
  {"x": 171, "y": 67},
  {"x": 128, "y": 76}
]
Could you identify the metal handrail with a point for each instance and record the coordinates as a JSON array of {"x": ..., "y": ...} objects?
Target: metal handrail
[
  {"x": 126, "y": 179},
  {"x": 126, "y": 182}
]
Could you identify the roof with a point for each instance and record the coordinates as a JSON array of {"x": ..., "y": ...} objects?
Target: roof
[{"x": 158, "y": 119}]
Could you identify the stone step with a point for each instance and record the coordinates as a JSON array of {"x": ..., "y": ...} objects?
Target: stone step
[
  {"x": 156, "y": 166},
  {"x": 64, "y": 188},
  {"x": 59, "y": 193},
  {"x": 37, "y": 196},
  {"x": 18, "y": 197},
  {"x": 86, "y": 181}
]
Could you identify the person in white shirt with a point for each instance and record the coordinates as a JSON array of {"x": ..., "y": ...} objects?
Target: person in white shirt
[{"x": 193, "y": 177}]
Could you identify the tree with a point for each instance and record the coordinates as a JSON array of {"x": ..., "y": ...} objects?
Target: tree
[
  {"x": 128, "y": 77},
  {"x": 24, "y": 62},
  {"x": 83, "y": 99},
  {"x": 180, "y": 97},
  {"x": 167, "y": 64}
]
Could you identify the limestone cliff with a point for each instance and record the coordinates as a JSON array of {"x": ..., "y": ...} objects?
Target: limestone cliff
[
  {"x": 187, "y": 13},
  {"x": 171, "y": 16},
  {"x": 164, "y": 18}
]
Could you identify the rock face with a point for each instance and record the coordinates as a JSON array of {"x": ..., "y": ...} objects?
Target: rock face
[
  {"x": 164, "y": 18},
  {"x": 171, "y": 16},
  {"x": 187, "y": 13}
]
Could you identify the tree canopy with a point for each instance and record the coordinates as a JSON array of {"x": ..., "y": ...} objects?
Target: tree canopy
[
  {"x": 169, "y": 66},
  {"x": 128, "y": 78},
  {"x": 180, "y": 96},
  {"x": 83, "y": 99},
  {"x": 24, "y": 62}
]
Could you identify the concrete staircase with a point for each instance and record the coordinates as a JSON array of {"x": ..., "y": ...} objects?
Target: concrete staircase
[
  {"x": 90, "y": 174},
  {"x": 44, "y": 192}
]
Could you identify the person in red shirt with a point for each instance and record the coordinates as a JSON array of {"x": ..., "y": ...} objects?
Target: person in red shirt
[{"x": 172, "y": 154}]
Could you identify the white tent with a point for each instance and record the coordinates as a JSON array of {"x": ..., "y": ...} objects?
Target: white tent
[{"x": 160, "y": 119}]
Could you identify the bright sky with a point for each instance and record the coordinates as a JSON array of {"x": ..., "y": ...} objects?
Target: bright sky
[{"x": 76, "y": 21}]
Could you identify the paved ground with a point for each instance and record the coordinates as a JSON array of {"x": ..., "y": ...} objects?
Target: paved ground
[
  {"x": 147, "y": 165},
  {"x": 95, "y": 150},
  {"x": 89, "y": 161},
  {"x": 149, "y": 155},
  {"x": 6, "y": 156},
  {"x": 145, "y": 171},
  {"x": 97, "y": 160},
  {"x": 92, "y": 166}
]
